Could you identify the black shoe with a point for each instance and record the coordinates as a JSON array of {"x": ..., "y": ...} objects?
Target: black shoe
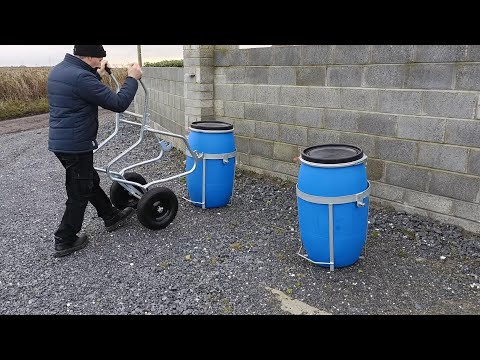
[
  {"x": 66, "y": 247},
  {"x": 118, "y": 219}
]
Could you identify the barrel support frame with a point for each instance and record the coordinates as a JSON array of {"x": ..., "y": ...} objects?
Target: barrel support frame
[
  {"x": 331, "y": 201},
  {"x": 225, "y": 157}
]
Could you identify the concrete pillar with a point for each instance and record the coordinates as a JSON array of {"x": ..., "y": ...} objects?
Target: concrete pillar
[{"x": 198, "y": 81}]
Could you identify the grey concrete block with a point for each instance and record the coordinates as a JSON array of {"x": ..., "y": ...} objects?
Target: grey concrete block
[
  {"x": 392, "y": 54},
  {"x": 444, "y": 157},
  {"x": 234, "y": 109},
  {"x": 473, "y": 52},
  {"x": 244, "y": 93},
  {"x": 316, "y": 54},
  {"x": 285, "y": 152},
  {"x": 220, "y": 79},
  {"x": 309, "y": 117},
  {"x": 200, "y": 95},
  {"x": 293, "y": 134},
  {"x": 286, "y": 55},
  {"x": 199, "y": 87},
  {"x": 403, "y": 151},
  {"x": 311, "y": 76},
  {"x": 286, "y": 168},
  {"x": 455, "y": 186},
  {"x": 260, "y": 56},
  {"x": 463, "y": 132},
  {"x": 440, "y": 53},
  {"x": 223, "y": 92},
  {"x": 267, "y": 130},
  {"x": 267, "y": 94},
  {"x": 235, "y": 75},
  {"x": 180, "y": 75},
  {"x": 194, "y": 103},
  {"x": 221, "y": 58},
  {"x": 428, "y": 202},
  {"x": 256, "y": 111},
  {"x": 364, "y": 142},
  {"x": 388, "y": 192},
  {"x": 450, "y": 104},
  {"x": 256, "y": 75},
  {"x": 377, "y": 124},
  {"x": 430, "y": 76},
  {"x": 421, "y": 128},
  {"x": 195, "y": 62},
  {"x": 348, "y": 76},
  {"x": 375, "y": 169},
  {"x": 400, "y": 102},
  {"x": 177, "y": 102},
  {"x": 261, "y": 162},
  {"x": 466, "y": 210},
  {"x": 239, "y": 57},
  {"x": 281, "y": 114},
  {"x": 341, "y": 120},
  {"x": 385, "y": 76},
  {"x": 406, "y": 176},
  {"x": 351, "y": 54},
  {"x": 468, "y": 77},
  {"x": 179, "y": 88},
  {"x": 245, "y": 127},
  {"x": 321, "y": 136},
  {"x": 319, "y": 97},
  {"x": 200, "y": 52},
  {"x": 261, "y": 148},
  {"x": 243, "y": 159},
  {"x": 204, "y": 75},
  {"x": 281, "y": 75},
  {"x": 291, "y": 95},
  {"x": 219, "y": 108},
  {"x": 242, "y": 144},
  {"x": 474, "y": 162},
  {"x": 193, "y": 111},
  {"x": 359, "y": 99}
]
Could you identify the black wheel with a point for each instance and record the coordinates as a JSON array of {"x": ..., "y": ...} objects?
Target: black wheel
[
  {"x": 157, "y": 208},
  {"x": 120, "y": 197}
]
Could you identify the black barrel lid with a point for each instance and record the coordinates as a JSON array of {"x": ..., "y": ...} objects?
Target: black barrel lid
[
  {"x": 332, "y": 154},
  {"x": 211, "y": 125}
]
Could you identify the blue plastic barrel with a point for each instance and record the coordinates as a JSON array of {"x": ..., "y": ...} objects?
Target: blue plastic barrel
[
  {"x": 211, "y": 184},
  {"x": 332, "y": 198}
]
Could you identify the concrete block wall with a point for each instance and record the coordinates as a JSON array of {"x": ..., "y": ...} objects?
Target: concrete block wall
[
  {"x": 413, "y": 109},
  {"x": 166, "y": 104}
]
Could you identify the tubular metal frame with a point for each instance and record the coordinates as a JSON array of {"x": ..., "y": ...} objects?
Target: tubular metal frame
[{"x": 130, "y": 186}]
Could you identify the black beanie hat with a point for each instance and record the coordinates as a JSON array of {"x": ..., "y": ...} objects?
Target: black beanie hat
[{"x": 89, "y": 50}]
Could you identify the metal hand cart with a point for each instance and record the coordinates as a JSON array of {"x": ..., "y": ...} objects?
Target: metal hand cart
[{"x": 156, "y": 206}]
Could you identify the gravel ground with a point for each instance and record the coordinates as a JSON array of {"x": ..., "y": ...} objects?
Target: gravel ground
[{"x": 241, "y": 259}]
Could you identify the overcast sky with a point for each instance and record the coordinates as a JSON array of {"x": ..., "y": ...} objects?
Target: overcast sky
[{"x": 118, "y": 55}]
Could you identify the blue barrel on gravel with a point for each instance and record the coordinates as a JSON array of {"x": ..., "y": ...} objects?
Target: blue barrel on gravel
[
  {"x": 211, "y": 184},
  {"x": 332, "y": 199}
]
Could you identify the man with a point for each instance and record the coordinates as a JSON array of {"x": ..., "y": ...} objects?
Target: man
[{"x": 75, "y": 92}]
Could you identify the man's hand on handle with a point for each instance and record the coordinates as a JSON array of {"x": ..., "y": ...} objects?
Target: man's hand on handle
[
  {"x": 102, "y": 71},
  {"x": 135, "y": 71}
]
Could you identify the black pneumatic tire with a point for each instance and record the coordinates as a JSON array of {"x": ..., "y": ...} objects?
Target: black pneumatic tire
[
  {"x": 157, "y": 208},
  {"x": 120, "y": 197}
]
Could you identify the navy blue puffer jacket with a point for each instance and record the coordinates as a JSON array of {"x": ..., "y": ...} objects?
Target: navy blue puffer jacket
[{"x": 74, "y": 94}]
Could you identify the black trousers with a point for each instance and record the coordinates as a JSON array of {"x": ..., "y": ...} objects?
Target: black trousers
[{"x": 83, "y": 185}]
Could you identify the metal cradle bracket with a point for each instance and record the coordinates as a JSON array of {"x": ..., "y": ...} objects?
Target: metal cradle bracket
[
  {"x": 225, "y": 157},
  {"x": 330, "y": 201}
]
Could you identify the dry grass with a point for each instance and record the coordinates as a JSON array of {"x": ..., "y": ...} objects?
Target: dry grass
[
  {"x": 23, "y": 84},
  {"x": 23, "y": 90}
]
